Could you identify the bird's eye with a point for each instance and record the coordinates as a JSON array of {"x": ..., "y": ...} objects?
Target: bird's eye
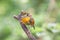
[{"x": 27, "y": 14}]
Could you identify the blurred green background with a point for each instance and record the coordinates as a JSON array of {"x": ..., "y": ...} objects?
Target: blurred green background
[{"x": 47, "y": 19}]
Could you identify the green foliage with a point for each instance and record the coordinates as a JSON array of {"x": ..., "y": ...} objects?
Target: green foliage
[
  {"x": 4, "y": 33},
  {"x": 10, "y": 28}
]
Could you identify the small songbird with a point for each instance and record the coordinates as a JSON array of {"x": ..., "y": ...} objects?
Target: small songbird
[{"x": 27, "y": 19}]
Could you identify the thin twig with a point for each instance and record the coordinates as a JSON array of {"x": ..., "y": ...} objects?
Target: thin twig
[{"x": 26, "y": 30}]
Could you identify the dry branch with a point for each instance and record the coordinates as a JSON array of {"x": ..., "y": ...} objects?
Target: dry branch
[{"x": 26, "y": 30}]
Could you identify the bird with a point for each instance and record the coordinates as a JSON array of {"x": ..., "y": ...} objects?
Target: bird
[{"x": 27, "y": 19}]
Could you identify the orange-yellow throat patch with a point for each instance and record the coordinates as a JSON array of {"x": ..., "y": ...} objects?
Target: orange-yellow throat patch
[{"x": 25, "y": 20}]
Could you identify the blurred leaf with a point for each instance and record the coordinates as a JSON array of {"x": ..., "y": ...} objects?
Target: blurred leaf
[{"x": 5, "y": 32}]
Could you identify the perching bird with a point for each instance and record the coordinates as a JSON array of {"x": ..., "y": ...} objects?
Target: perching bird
[{"x": 27, "y": 19}]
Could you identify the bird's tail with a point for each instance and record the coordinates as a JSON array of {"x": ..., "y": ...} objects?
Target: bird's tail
[{"x": 33, "y": 27}]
